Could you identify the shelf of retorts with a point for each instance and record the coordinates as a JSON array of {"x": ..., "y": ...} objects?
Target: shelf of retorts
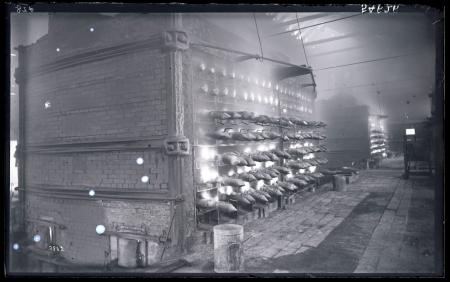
[
  {"x": 246, "y": 160},
  {"x": 378, "y": 145}
]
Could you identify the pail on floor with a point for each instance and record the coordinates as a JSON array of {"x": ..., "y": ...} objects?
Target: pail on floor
[{"x": 228, "y": 248}]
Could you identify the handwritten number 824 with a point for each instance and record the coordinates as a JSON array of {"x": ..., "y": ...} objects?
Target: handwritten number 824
[{"x": 23, "y": 9}]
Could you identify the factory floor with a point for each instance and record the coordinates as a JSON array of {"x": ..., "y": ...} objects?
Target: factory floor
[{"x": 381, "y": 223}]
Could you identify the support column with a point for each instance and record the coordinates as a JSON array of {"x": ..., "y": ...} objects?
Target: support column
[
  {"x": 438, "y": 136},
  {"x": 177, "y": 145},
  {"x": 20, "y": 150}
]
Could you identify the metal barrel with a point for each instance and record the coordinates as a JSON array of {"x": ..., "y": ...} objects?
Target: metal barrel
[
  {"x": 228, "y": 248},
  {"x": 339, "y": 183},
  {"x": 127, "y": 252}
]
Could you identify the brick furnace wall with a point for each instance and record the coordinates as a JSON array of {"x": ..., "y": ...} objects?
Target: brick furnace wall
[
  {"x": 121, "y": 98},
  {"x": 118, "y": 98},
  {"x": 115, "y": 170},
  {"x": 79, "y": 238}
]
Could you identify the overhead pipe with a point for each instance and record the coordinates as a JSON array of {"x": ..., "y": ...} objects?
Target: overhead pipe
[{"x": 248, "y": 55}]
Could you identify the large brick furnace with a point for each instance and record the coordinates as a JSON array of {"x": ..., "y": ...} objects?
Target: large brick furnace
[{"x": 114, "y": 150}]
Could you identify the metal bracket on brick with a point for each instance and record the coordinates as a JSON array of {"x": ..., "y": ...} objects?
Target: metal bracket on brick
[
  {"x": 177, "y": 145},
  {"x": 179, "y": 198},
  {"x": 176, "y": 40}
]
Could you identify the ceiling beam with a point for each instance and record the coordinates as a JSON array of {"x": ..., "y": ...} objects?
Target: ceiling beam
[
  {"x": 335, "y": 51},
  {"x": 304, "y": 19},
  {"x": 326, "y": 40}
]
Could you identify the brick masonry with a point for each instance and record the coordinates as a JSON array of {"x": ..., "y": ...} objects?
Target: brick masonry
[
  {"x": 119, "y": 98},
  {"x": 104, "y": 100},
  {"x": 108, "y": 31},
  {"x": 122, "y": 97},
  {"x": 79, "y": 239},
  {"x": 114, "y": 170}
]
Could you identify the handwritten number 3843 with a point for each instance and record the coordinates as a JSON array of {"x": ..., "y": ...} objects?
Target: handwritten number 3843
[{"x": 56, "y": 248}]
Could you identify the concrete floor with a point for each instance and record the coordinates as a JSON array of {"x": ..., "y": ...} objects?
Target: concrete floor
[{"x": 381, "y": 224}]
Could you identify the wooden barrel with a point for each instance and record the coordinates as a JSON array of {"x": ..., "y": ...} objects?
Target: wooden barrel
[{"x": 228, "y": 248}]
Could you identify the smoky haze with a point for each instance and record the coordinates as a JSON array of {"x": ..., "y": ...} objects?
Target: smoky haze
[
  {"x": 397, "y": 87},
  {"x": 403, "y": 83}
]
